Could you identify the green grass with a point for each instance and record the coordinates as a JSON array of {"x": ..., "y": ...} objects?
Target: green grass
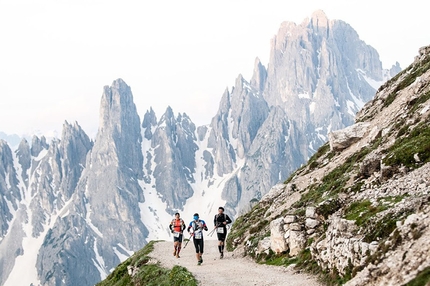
[
  {"x": 417, "y": 102},
  {"x": 403, "y": 150},
  {"x": 422, "y": 279},
  {"x": 382, "y": 228},
  {"x": 305, "y": 262},
  {"x": 329, "y": 207},
  {"x": 364, "y": 215},
  {"x": 312, "y": 162},
  {"x": 254, "y": 221},
  {"x": 333, "y": 183},
  {"x": 281, "y": 260},
  {"x": 411, "y": 75},
  {"x": 148, "y": 274},
  {"x": 361, "y": 212}
]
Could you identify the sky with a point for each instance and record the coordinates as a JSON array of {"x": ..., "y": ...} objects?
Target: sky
[{"x": 57, "y": 55}]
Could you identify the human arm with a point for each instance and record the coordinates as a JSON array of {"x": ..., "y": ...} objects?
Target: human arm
[{"x": 227, "y": 219}]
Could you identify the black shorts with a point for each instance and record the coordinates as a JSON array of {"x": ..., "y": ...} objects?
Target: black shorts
[
  {"x": 198, "y": 244},
  {"x": 177, "y": 238},
  {"x": 221, "y": 235}
]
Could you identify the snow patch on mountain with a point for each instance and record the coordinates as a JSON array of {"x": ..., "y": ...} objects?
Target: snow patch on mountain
[
  {"x": 99, "y": 262},
  {"x": 88, "y": 220}
]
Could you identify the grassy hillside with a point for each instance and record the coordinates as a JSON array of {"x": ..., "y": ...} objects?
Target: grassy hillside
[{"x": 147, "y": 271}]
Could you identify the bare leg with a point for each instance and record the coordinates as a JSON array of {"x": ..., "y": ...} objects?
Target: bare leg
[
  {"x": 178, "y": 249},
  {"x": 175, "y": 245}
]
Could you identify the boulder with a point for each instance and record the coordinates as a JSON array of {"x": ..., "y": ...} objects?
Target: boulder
[
  {"x": 341, "y": 139},
  {"x": 277, "y": 241}
]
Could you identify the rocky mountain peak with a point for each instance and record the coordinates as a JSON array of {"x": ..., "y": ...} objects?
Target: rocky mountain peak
[
  {"x": 168, "y": 118},
  {"x": 149, "y": 122},
  {"x": 318, "y": 20},
  {"x": 37, "y": 145},
  {"x": 116, "y": 107},
  {"x": 259, "y": 76},
  {"x": 120, "y": 125}
]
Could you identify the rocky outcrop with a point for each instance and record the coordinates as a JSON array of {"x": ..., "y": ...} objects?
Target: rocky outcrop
[
  {"x": 344, "y": 138},
  {"x": 360, "y": 206}
]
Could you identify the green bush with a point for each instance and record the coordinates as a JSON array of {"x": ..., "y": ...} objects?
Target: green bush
[
  {"x": 148, "y": 274},
  {"x": 403, "y": 150},
  {"x": 179, "y": 276},
  {"x": 362, "y": 211},
  {"x": 422, "y": 279}
]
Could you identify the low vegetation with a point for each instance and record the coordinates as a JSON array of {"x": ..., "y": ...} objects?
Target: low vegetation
[
  {"x": 412, "y": 150},
  {"x": 149, "y": 272},
  {"x": 410, "y": 75},
  {"x": 422, "y": 279},
  {"x": 245, "y": 225}
]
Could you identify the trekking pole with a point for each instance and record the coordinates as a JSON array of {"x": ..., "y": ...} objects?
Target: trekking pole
[
  {"x": 188, "y": 240},
  {"x": 212, "y": 231}
]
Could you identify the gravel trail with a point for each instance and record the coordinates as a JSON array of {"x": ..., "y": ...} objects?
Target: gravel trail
[{"x": 230, "y": 270}]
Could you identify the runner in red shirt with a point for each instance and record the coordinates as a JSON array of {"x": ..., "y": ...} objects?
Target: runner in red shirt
[{"x": 177, "y": 226}]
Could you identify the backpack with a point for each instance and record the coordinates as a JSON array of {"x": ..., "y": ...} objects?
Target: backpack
[
  {"x": 218, "y": 215},
  {"x": 173, "y": 224}
]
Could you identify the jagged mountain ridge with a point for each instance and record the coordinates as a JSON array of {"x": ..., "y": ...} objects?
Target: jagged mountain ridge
[
  {"x": 84, "y": 206},
  {"x": 306, "y": 83},
  {"x": 359, "y": 209}
]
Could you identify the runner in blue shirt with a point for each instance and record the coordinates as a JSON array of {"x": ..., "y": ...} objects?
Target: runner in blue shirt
[{"x": 198, "y": 225}]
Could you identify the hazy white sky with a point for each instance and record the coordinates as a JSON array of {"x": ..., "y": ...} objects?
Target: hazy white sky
[{"x": 56, "y": 55}]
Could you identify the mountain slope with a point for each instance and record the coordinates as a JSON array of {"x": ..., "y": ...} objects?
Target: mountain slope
[{"x": 359, "y": 209}]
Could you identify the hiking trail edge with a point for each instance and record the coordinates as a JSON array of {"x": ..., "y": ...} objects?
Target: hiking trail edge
[{"x": 230, "y": 270}]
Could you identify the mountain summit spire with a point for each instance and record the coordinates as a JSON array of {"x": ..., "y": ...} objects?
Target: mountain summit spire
[{"x": 319, "y": 19}]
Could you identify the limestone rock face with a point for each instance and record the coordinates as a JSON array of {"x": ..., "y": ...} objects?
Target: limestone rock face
[
  {"x": 318, "y": 77},
  {"x": 97, "y": 219},
  {"x": 361, "y": 206},
  {"x": 277, "y": 241}
]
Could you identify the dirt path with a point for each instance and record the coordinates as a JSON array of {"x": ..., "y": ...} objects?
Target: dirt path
[{"x": 230, "y": 270}]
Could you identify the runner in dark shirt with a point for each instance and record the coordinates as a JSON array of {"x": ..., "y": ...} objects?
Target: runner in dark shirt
[{"x": 220, "y": 221}]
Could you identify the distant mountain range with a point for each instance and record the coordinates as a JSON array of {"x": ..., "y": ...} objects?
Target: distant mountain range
[{"x": 72, "y": 208}]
